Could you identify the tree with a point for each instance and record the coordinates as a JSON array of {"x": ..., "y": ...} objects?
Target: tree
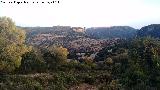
[
  {"x": 144, "y": 61},
  {"x": 109, "y": 61},
  {"x": 12, "y": 45},
  {"x": 59, "y": 53},
  {"x": 32, "y": 61},
  {"x": 55, "y": 56}
]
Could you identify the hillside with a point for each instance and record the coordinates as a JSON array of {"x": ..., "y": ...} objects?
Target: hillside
[
  {"x": 55, "y": 30},
  {"x": 45, "y": 36},
  {"x": 152, "y": 30},
  {"x": 80, "y": 63},
  {"x": 77, "y": 39},
  {"x": 111, "y": 32}
]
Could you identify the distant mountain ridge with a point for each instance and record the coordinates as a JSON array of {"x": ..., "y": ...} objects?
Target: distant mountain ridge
[
  {"x": 93, "y": 32},
  {"x": 112, "y": 32},
  {"x": 152, "y": 30}
]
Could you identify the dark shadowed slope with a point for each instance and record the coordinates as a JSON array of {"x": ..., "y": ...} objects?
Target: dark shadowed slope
[
  {"x": 152, "y": 30},
  {"x": 112, "y": 32}
]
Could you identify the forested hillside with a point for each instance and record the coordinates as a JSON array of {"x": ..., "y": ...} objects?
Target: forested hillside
[
  {"x": 150, "y": 30},
  {"x": 112, "y": 32},
  {"x": 86, "y": 64}
]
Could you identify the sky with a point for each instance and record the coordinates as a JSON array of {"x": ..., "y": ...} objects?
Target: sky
[{"x": 84, "y": 13}]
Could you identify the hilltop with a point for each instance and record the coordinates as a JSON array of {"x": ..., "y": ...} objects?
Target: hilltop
[
  {"x": 152, "y": 30},
  {"x": 112, "y": 32}
]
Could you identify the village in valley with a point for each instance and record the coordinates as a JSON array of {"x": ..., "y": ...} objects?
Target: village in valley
[{"x": 72, "y": 38}]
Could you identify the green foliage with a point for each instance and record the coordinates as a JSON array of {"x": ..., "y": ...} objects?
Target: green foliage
[
  {"x": 126, "y": 65},
  {"x": 59, "y": 53},
  {"x": 113, "y": 85},
  {"x": 152, "y": 30},
  {"x": 32, "y": 62},
  {"x": 11, "y": 45},
  {"x": 55, "y": 56},
  {"x": 143, "y": 63},
  {"x": 108, "y": 61}
]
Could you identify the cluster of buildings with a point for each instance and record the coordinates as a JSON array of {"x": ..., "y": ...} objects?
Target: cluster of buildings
[
  {"x": 55, "y": 34},
  {"x": 42, "y": 38},
  {"x": 78, "y": 29},
  {"x": 89, "y": 45}
]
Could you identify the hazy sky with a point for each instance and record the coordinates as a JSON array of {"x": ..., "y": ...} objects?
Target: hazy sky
[{"x": 88, "y": 13}]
